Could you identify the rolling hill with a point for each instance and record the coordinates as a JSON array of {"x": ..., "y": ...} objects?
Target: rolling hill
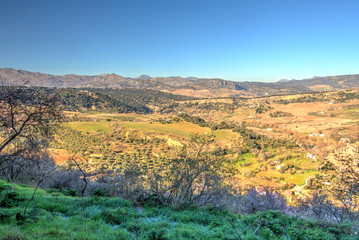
[{"x": 195, "y": 87}]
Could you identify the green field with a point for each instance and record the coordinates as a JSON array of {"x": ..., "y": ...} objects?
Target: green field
[
  {"x": 182, "y": 129},
  {"x": 101, "y": 126}
]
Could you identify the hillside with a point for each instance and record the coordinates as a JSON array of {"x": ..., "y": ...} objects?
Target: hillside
[
  {"x": 194, "y": 87},
  {"x": 111, "y": 100},
  {"x": 58, "y": 215},
  {"x": 269, "y": 138},
  {"x": 189, "y": 168}
]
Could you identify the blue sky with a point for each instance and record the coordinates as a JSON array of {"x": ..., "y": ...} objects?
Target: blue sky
[{"x": 241, "y": 40}]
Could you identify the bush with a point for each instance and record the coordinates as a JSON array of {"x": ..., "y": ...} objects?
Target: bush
[
  {"x": 5, "y": 215},
  {"x": 157, "y": 234},
  {"x": 20, "y": 218},
  {"x": 12, "y": 233},
  {"x": 117, "y": 216},
  {"x": 11, "y": 199},
  {"x": 255, "y": 201},
  {"x": 151, "y": 200},
  {"x": 288, "y": 186},
  {"x": 319, "y": 206},
  {"x": 100, "y": 192},
  {"x": 72, "y": 192}
]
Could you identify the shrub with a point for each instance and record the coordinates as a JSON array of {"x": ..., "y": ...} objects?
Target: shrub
[
  {"x": 288, "y": 186},
  {"x": 5, "y": 215},
  {"x": 100, "y": 192},
  {"x": 157, "y": 234},
  {"x": 319, "y": 206},
  {"x": 255, "y": 201},
  {"x": 20, "y": 218},
  {"x": 11, "y": 199},
  {"x": 12, "y": 233},
  {"x": 151, "y": 200},
  {"x": 70, "y": 192},
  {"x": 117, "y": 216}
]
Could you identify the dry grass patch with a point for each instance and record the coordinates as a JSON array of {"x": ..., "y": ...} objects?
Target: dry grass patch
[{"x": 182, "y": 129}]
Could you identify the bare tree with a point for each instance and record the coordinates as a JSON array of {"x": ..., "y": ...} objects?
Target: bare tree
[
  {"x": 339, "y": 198},
  {"x": 12, "y": 169},
  {"x": 41, "y": 167},
  {"x": 27, "y": 115},
  {"x": 255, "y": 201},
  {"x": 84, "y": 178},
  {"x": 193, "y": 174},
  {"x": 196, "y": 173}
]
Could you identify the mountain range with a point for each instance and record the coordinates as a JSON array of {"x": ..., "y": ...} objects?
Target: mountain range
[{"x": 191, "y": 86}]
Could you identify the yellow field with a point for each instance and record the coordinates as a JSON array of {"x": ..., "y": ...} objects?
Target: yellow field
[
  {"x": 101, "y": 126},
  {"x": 182, "y": 129},
  {"x": 226, "y": 134}
]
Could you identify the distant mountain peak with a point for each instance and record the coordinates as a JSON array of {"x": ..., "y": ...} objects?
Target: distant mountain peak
[
  {"x": 283, "y": 80},
  {"x": 192, "y": 78},
  {"x": 144, "y": 77}
]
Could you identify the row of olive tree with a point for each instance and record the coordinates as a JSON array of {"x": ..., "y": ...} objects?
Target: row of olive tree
[{"x": 192, "y": 173}]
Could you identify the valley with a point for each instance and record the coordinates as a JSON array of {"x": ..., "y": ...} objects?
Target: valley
[
  {"x": 276, "y": 142},
  {"x": 136, "y": 163},
  {"x": 179, "y": 120}
]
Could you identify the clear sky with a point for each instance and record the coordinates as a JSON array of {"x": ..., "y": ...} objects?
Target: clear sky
[{"x": 231, "y": 39}]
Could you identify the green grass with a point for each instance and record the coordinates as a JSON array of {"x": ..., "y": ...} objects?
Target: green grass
[
  {"x": 101, "y": 126},
  {"x": 247, "y": 158},
  {"x": 248, "y": 162},
  {"x": 55, "y": 216},
  {"x": 183, "y": 129}
]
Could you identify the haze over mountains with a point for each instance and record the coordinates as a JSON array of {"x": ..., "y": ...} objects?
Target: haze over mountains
[{"x": 191, "y": 86}]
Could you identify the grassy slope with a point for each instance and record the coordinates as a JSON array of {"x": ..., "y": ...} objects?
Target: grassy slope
[{"x": 56, "y": 216}]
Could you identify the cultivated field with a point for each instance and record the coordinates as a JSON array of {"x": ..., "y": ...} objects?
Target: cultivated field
[{"x": 323, "y": 123}]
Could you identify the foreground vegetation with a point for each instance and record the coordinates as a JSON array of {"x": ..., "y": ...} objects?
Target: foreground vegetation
[{"x": 53, "y": 215}]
